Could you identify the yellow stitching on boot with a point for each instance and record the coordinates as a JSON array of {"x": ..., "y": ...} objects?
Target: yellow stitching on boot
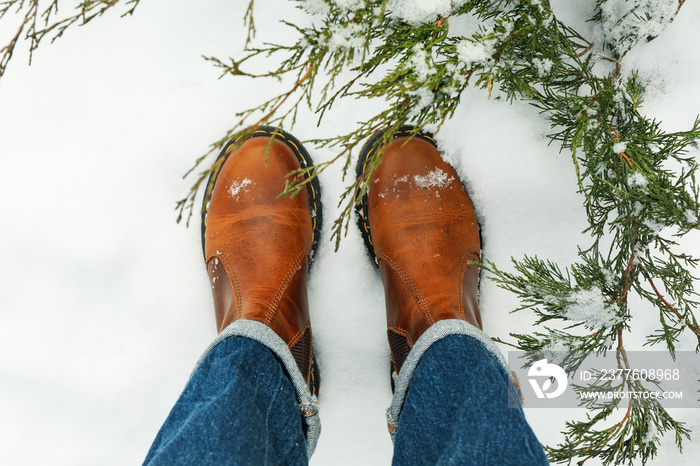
[
  {"x": 365, "y": 221},
  {"x": 297, "y": 149},
  {"x": 366, "y": 227},
  {"x": 298, "y": 153},
  {"x": 312, "y": 381},
  {"x": 209, "y": 190}
]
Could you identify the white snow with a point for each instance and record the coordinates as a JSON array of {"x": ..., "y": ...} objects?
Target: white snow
[
  {"x": 349, "y": 5},
  {"x": 401, "y": 179},
  {"x": 556, "y": 350},
  {"x": 434, "y": 179},
  {"x": 654, "y": 226},
  {"x": 423, "y": 98},
  {"x": 315, "y": 7},
  {"x": 589, "y": 307},
  {"x": 619, "y": 147},
  {"x": 348, "y": 36},
  {"x": 652, "y": 433},
  {"x": 238, "y": 186},
  {"x": 543, "y": 66},
  {"x": 471, "y": 53},
  {"x": 105, "y": 304},
  {"x": 622, "y": 16},
  {"x": 421, "y": 11},
  {"x": 419, "y": 63},
  {"x": 637, "y": 180}
]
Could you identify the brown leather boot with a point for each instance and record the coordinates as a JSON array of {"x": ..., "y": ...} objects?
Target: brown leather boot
[
  {"x": 258, "y": 245},
  {"x": 419, "y": 224}
]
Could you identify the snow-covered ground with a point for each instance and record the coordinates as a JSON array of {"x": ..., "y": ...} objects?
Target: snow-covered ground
[{"x": 104, "y": 301}]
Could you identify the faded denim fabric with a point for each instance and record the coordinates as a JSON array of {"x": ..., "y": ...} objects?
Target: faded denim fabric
[
  {"x": 308, "y": 404},
  {"x": 243, "y": 405},
  {"x": 435, "y": 332},
  {"x": 240, "y": 407},
  {"x": 456, "y": 410}
]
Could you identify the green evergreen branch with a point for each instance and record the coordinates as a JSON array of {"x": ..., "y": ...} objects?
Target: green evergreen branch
[{"x": 53, "y": 26}]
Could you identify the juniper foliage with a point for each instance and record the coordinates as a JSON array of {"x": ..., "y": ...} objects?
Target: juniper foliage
[
  {"x": 638, "y": 183},
  {"x": 41, "y": 20}
]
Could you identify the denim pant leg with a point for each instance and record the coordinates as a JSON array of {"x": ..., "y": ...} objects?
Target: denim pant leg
[
  {"x": 456, "y": 410},
  {"x": 239, "y": 407}
]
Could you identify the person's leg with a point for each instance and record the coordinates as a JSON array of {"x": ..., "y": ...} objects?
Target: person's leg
[
  {"x": 462, "y": 408},
  {"x": 239, "y": 407},
  {"x": 252, "y": 400},
  {"x": 451, "y": 394}
]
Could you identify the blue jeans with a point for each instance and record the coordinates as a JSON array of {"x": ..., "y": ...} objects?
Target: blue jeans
[{"x": 241, "y": 406}]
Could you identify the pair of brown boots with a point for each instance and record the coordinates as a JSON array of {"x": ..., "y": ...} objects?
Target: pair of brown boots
[{"x": 417, "y": 220}]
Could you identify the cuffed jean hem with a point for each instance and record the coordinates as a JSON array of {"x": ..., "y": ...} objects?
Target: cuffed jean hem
[
  {"x": 435, "y": 332},
  {"x": 308, "y": 404}
]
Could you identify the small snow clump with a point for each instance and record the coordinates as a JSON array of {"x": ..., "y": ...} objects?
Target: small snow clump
[
  {"x": 619, "y": 147},
  {"x": 419, "y": 63},
  {"x": 556, "y": 350},
  {"x": 315, "y": 7},
  {"x": 640, "y": 250},
  {"x": 637, "y": 180},
  {"x": 415, "y": 12},
  {"x": 434, "y": 179},
  {"x": 589, "y": 307},
  {"x": 543, "y": 66},
  {"x": 423, "y": 99},
  {"x": 471, "y": 53},
  {"x": 348, "y": 36},
  {"x": 654, "y": 226},
  {"x": 349, "y": 5},
  {"x": 237, "y": 187},
  {"x": 652, "y": 433},
  {"x": 637, "y": 208},
  {"x": 626, "y": 23}
]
